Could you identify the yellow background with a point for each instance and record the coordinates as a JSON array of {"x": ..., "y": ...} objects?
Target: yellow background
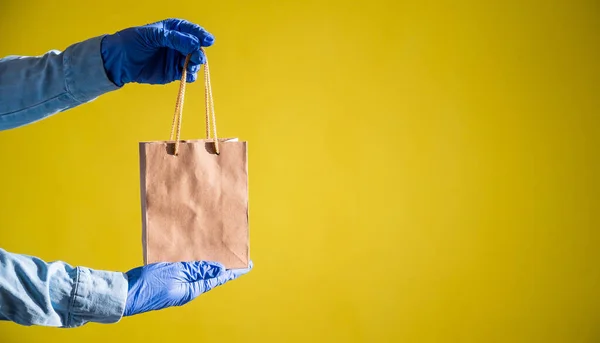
[{"x": 420, "y": 171}]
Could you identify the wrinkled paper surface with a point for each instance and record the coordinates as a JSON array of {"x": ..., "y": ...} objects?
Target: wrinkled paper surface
[{"x": 195, "y": 205}]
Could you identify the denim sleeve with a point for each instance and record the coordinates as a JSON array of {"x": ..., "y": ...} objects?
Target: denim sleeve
[
  {"x": 35, "y": 292},
  {"x": 35, "y": 87}
]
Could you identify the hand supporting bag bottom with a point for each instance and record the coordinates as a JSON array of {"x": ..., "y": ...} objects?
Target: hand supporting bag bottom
[{"x": 194, "y": 195}]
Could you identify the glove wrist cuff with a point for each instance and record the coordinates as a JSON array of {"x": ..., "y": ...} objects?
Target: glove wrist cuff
[{"x": 111, "y": 58}]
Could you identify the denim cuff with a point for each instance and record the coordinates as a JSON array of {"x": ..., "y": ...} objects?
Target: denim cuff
[
  {"x": 98, "y": 296},
  {"x": 85, "y": 76}
]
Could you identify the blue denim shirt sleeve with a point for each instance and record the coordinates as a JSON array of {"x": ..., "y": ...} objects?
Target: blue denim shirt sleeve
[
  {"x": 35, "y": 292},
  {"x": 35, "y": 87}
]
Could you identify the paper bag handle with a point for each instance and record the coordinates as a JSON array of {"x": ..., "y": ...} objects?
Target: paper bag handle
[{"x": 209, "y": 105}]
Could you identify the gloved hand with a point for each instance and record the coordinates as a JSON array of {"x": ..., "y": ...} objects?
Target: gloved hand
[
  {"x": 154, "y": 53},
  {"x": 161, "y": 285}
]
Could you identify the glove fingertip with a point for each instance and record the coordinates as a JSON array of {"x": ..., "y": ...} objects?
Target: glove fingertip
[
  {"x": 241, "y": 271},
  {"x": 191, "y": 77},
  {"x": 209, "y": 40},
  {"x": 197, "y": 57}
]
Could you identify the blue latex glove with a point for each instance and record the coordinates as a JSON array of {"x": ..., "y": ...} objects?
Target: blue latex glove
[
  {"x": 154, "y": 53},
  {"x": 161, "y": 285}
]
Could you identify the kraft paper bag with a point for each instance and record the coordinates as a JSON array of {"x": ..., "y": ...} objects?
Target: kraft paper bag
[{"x": 194, "y": 195}]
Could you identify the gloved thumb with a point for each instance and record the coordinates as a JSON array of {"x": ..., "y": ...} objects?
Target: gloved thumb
[
  {"x": 223, "y": 276},
  {"x": 231, "y": 274},
  {"x": 239, "y": 272},
  {"x": 227, "y": 275},
  {"x": 185, "y": 43}
]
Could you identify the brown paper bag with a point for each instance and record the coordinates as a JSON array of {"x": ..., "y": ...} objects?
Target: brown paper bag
[{"x": 195, "y": 195}]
